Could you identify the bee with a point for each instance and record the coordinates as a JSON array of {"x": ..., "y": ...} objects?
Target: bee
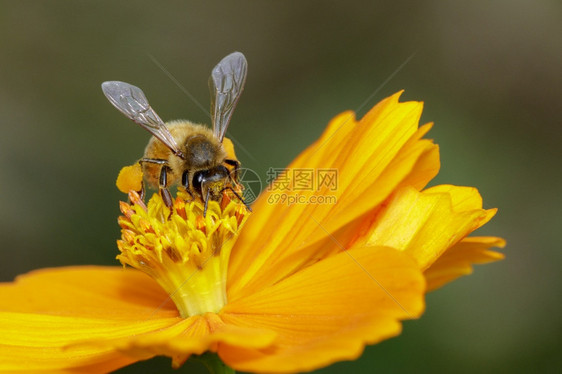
[{"x": 181, "y": 152}]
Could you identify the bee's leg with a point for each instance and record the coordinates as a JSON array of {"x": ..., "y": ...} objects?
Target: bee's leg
[
  {"x": 164, "y": 192},
  {"x": 141, "y": 192},
  {"x": 158, "y": 161},
  {"x": 185, "y": 183},
  {"x": 206, "y": 203},
  {"x": 163, "y": 180},
  {"x": 236, "y": 165},
  {"x": 238, "y": 196}
]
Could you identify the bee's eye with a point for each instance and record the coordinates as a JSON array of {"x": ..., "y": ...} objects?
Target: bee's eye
[{"x": 198, "y": 179}]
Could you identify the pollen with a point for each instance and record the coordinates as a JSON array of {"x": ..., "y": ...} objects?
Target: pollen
[
  {"x": 186, "y": 252},
  {"x": 130, "y": 178}
]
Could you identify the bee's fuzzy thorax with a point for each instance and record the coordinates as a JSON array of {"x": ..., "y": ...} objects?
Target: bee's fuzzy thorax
[{"x": 185, "y": 133}]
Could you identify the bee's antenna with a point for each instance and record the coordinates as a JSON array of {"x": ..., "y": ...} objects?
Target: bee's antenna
[
  {"x": 238, "y": 196},
  {"x": 206, "y": 203}
]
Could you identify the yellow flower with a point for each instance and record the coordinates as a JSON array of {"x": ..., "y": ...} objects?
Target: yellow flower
[{"x": 309, "y": 279}]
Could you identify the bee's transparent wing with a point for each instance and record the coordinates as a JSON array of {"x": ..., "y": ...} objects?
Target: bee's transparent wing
[
  {"x": 226, "y": 84},
  {"x": 130, "y": 101}
]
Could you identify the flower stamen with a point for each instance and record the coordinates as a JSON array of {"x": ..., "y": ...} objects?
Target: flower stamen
[{"x": 185, "y": 252}]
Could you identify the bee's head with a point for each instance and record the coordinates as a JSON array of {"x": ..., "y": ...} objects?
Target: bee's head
[{"x": 210, "y": 183}]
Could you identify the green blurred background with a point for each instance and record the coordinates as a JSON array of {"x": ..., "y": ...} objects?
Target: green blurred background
[{"x": 489, "y": 74}]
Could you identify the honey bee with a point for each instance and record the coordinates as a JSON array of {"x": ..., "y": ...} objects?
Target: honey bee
[{"x": 181, "y": 152}]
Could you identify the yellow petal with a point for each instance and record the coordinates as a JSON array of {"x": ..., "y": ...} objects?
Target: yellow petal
[
  {"x": 427, "y": 163},
  {"x": 101, "y": 318},
  {"x": 40, "y": 342},
  {"x": 371, "y": 156},
  {"x": 194, "y": 335},
  {"x": 425, "y": 224},
  {"x": 87, "y": 291},
  {"x": 328, "y": 311},
  {"x": 458, "y": 260},
  {"x": 462, "y": 198},
  {"x": 45, "y": 312}
]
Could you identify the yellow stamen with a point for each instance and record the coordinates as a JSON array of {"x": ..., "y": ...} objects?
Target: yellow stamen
[{"x": 185, "y": 252}]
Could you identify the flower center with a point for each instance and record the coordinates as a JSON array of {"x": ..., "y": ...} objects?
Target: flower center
[{"x": 185, "y": 252}]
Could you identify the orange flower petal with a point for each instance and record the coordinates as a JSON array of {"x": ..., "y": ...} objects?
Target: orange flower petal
[
  {"x": 100, "y": 319},
  {"x": 372, "y": 157},
  {"x": 40, "y": 342},
  {"x": 87, "y": 291},
  {"x": 457, "y": 260},
  {"x": 462, "y": 198},
  {"x": 194, "y": 335},
  {"x": 425, "y": 224},
  {"x": 328, "y": 311},
  {"x": 427, "y": 163},
  {"x": 44, "y": 312}
]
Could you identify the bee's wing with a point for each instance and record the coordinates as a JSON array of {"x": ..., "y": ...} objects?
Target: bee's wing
[
  {"x": 226, "y": 84},
  {"x": 130, "y": 101}
]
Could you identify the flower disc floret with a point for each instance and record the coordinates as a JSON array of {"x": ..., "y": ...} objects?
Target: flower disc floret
[{"x": 184, "y": 250}]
